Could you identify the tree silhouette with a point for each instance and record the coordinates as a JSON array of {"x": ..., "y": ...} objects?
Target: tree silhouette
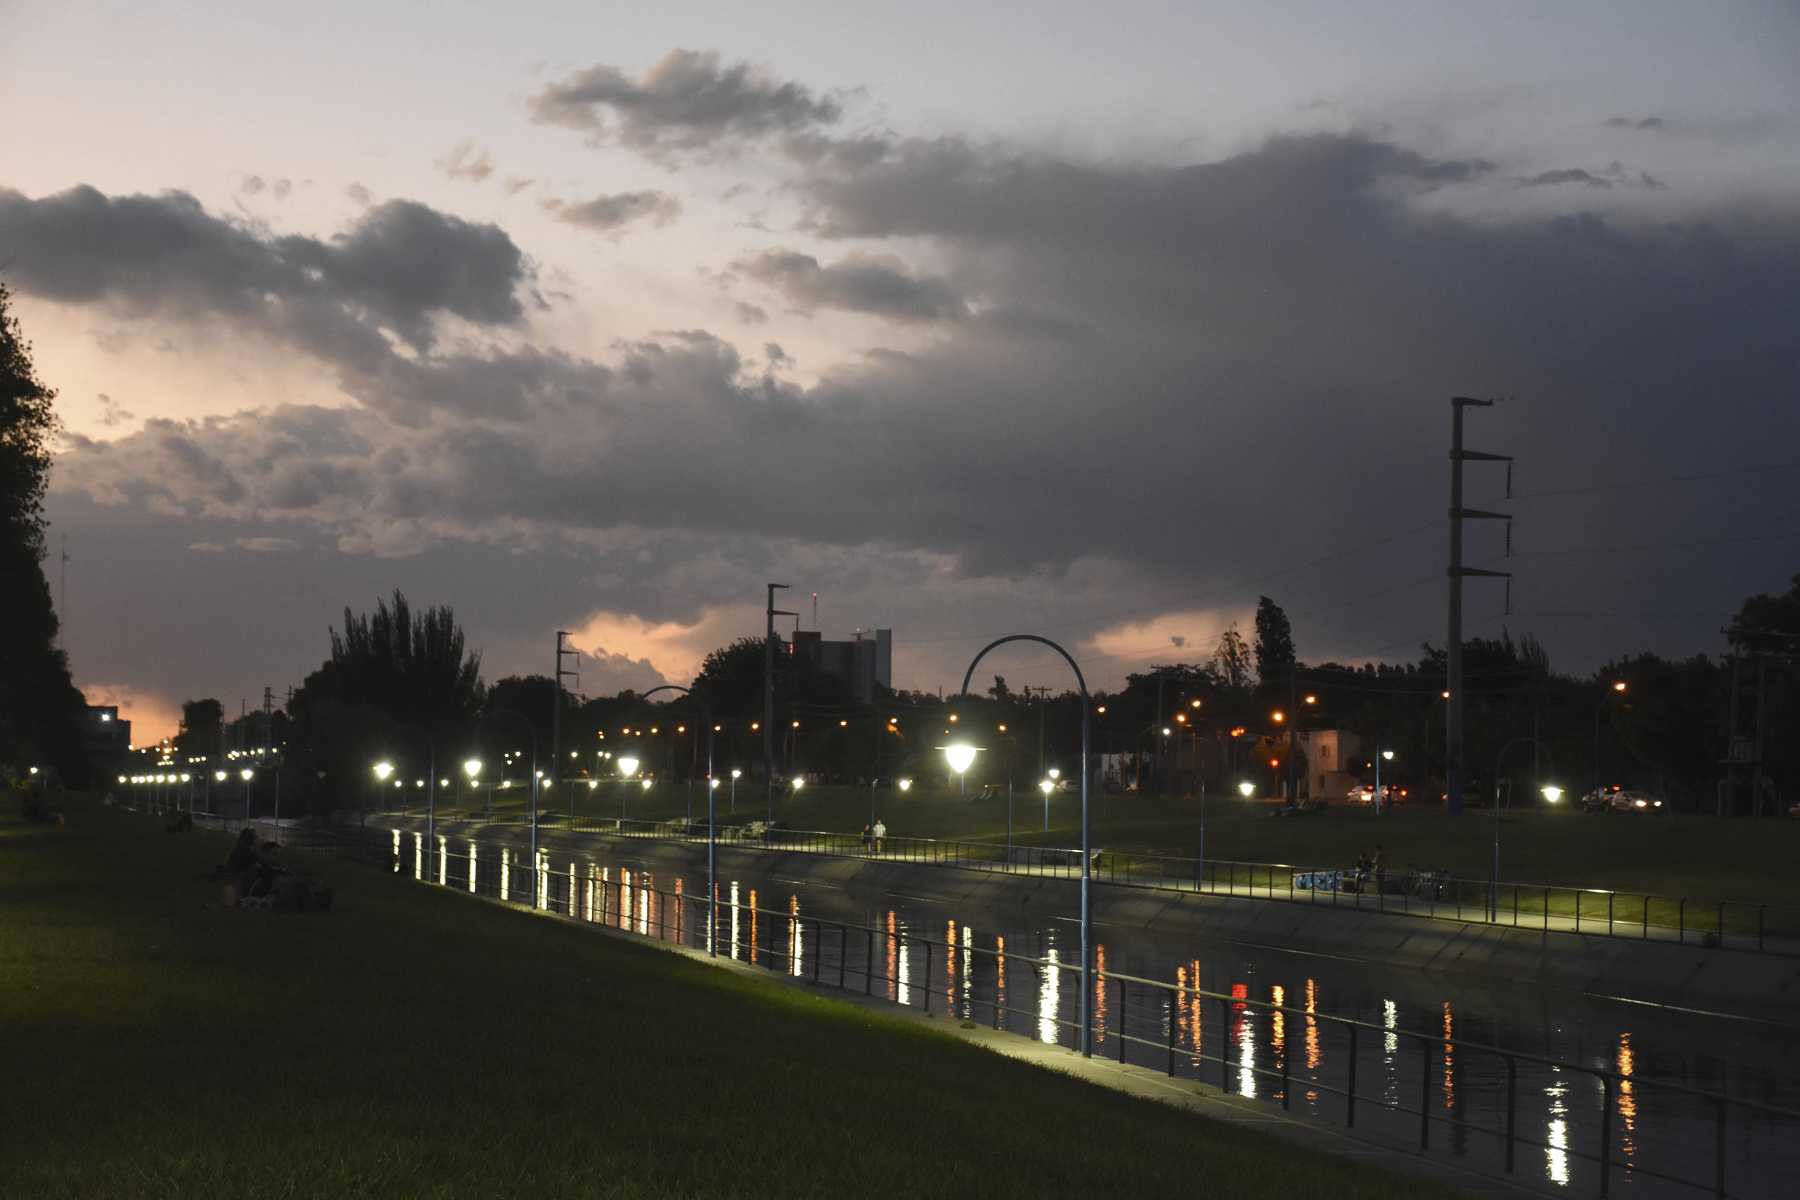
[{"x": 40, "y": 709}]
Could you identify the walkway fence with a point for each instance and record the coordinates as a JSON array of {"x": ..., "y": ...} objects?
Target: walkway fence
[{"x": 1154, "y": 1025}]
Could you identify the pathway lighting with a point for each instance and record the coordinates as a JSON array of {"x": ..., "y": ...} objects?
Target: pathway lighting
[
  {"x": 219, "y": 776},
  {"x": 1246, "y": 789},
  {"x": 799, "y": 782},
  {"x": 383, "y": 769},
  {"x": 906, "y": 785},
  {"x": 960, "y": 756},
  {"x": 628, "y": 766},
  {"x": 246, "y": 774},
  {"x": 1055, "y": 773},
  {"x": 1551, "y": 793}
]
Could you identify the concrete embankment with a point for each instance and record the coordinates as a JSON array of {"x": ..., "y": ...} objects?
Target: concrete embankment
[{"x": 1724, "y": 981}]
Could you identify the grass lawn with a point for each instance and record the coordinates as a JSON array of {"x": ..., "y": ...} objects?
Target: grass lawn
[
  {"x": 1702, "y": 858},
  {"x": 414, "y": 1043}
]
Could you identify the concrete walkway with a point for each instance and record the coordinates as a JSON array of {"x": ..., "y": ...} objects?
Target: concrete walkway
[{"x": 1621, "y": 924}]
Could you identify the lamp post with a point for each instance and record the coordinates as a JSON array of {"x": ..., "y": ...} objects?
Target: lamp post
[
  {"x": 628, "y": 765},
  {"x": 735, "y": 773},
  {"x": 1246, "y": 789},
  {"x": 1494, "y": 890},
  {"x": 1055, "y": 773},
  {"x": 1087, "y": 1033},
  {"x": 383, "y": 771},
  {"x": 247, "y": 774},
  {"x": 1381, "y": 756},
  {"x": 1619, "y": 687}
]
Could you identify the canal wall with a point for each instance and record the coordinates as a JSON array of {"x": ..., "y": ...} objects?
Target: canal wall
[{"x": 1737, "y": 983}]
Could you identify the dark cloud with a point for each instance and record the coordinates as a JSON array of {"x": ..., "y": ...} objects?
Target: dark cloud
[
  {"x": 877, "y": 284},
  {"x": 1179, "y": 379},
  {"x": 399, "y": 265},
  {"x": 360, "y": 194},
  {"x": 689, "y": 101},
  {"x": 1636, "y": 123},
  {"x": 611, "y": 214},
  {"x": 467, "y": 161},
  {"x": 1566, "y": 175},
  {"x": 112, "y": 414}
]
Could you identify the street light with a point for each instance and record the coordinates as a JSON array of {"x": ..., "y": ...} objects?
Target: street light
[
  {"x": 628, "y": 765},
  {"x": 960, "y": 756},
  {"x": 735, "y": 773},
  {"x": 906, "y": 785},
  {"x": 1246, "y": 789},
  {"x": 1380, "y": 757},
  {"x": 1087, "y": 911},
  {"x": 247, "y": 774},
  {"x": 1618, "y": 689},
  {"x": 1551, "y": 793}
]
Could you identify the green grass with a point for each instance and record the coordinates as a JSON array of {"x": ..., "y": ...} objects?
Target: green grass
[
  {"x": 1702, "y": 858},
  {"x": 414, "y": 1043}
]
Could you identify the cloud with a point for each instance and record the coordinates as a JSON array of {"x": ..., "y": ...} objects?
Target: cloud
[
  {"x": 467, "y": 161},
  {"x": 516, "y": 184},
  {"x": 360, "y": 194},
  {"x": 611, "y": 214},
  {"x": 1644, "y": 123},
  {"x": 254, "y": 545},
  {"x": 397, "y": 267},
  {"x": 689, "y": 101},
  {"x": 111, "y": 414},
  {"x": 880, "y": 285},
  {"x": 1566, "y": 175}
]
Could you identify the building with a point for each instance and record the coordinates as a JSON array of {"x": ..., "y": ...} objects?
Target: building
[
  {"x": 107, "y": 735},
  {"x": 1333, "y": 760},
  {"x": 859, "y": 664}
]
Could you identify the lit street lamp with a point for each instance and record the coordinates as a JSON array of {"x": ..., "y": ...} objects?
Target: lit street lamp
[
  {"x": 1618, "y": 689},
  {"x": 1381, "y": 756},
  {"x": 1087, "y": 912},
  {"x": 960, "y": 756},
  {"x": 735, "y": 773},
  {"x": 1246, "y": 789},
  {"x": 1551, "y": 793}
]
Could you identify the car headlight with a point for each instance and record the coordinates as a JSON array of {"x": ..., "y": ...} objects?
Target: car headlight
[
  {"x": 1641, "y": 803},
  {"x": 1659, "y": 804}
]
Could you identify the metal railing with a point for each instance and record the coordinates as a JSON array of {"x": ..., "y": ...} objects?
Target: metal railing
[
  {"x": 632, "y": 902},
  {"x": 1722, "y": 924}
]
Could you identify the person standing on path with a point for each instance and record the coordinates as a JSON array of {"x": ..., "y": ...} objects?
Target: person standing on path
[{"x": 880, "y": 832}]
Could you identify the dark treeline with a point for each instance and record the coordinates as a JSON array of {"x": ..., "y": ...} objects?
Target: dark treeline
[{"x": 401, "y": 686}]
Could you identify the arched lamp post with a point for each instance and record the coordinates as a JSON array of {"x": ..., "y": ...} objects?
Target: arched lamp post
[
  {"x": 1086, "y": 999},
  {"x": 712, "y": 809}
]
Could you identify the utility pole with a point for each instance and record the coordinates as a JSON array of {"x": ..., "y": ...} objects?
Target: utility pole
[
  {"x": 1453, "y": 708},
  {"x": 563, "y": 651},
  {"x": 62, "y": 602},
  {"x": 768, "y": 722}
]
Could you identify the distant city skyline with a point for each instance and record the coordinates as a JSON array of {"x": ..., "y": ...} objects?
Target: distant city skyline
[{"x": 971, "y": 320}]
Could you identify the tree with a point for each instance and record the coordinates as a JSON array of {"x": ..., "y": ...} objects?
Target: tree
[
  {"x": 1000, "y": 691},
  {"x": 41, "y": 711},
  {"x": 1231, "y": 661},
  {"x": 397, "y": 684},
  {"x": 1274, "y": 643},
  {"x": 416, "y": 670},
  {"x": 731, "y": 677},
  {"x": 202, "y": 721}
]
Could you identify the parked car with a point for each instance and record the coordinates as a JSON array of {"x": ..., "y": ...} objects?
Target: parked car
[
  {"x": 1364, "y": 794},
  {"x": 1616, "y": 799}
]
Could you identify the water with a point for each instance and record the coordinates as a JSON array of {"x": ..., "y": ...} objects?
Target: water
[{"x": 1009, "y": 969}]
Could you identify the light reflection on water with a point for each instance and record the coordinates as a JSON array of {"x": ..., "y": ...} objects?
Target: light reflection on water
[
  {"x": 1048, "y": 994},
  {"x": 1470, "y": 1083},
  {"x": 505, "y": 873},
  {"x": 1556, "y": 1154},
  {"x": 1099, "y": 995},
  {"x": 1244, "y": 1034},
  {"x": 474, "y": 857},
  {"x": 1625, "y": 1064}
]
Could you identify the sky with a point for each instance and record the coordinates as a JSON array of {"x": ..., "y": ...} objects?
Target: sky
[{"x": 974, "y": 320}]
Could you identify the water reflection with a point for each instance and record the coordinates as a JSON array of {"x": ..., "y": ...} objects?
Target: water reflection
[
  {"x": 796, "y": 936},
  {"x": 505, "y": 873},
  {"x": 418, "y": 856},
  {"x": 1000, "y": 974},
  {"x": 968, "y": 973},
  {"x": 1099, "y": 995},
  {"x": 443, "y": 853},
  {"x": 1278, "y": 1029},
  {"x": 1449, "y": 1059},
  {"x": 1048, "y": 994},
  {"x": 1556, "y": 1154},
  {"x": 1390, "y": 1052},
  {"x": 950, "y": 966},
  {"x": 472, "y": 860},
  {"x": 1625, "y": 1063},
  {"x": 893, "y": 958},
  {"x": 396, "y": 851},
  {"x": 736, "y": 937},
  {"x": 1243, "y": 1032},
  {"x": 905, "y": 983},
  {"x": 1313, "y": 1056}
]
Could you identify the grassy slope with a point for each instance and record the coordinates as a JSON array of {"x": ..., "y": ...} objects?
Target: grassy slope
[{"x": 414, "y": 1043}]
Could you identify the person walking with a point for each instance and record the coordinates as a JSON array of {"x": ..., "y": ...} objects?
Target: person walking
[{"x": 880, "y": 832}]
